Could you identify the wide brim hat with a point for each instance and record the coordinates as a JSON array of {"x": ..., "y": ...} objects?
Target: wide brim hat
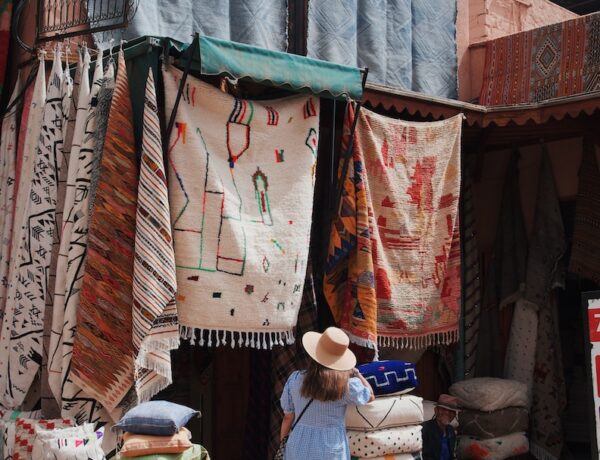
[
  {"x": 330, "y": 349},
  {"x": 448, "y": 402}
]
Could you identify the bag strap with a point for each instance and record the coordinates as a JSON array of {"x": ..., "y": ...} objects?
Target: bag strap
[{"x": 301, "y": 414}]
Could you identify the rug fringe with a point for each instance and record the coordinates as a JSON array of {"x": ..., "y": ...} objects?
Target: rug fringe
[
  {"x": 162, "y": 344},
  {"x": 218, "y": 337},
  {"x": 540, "y": 452},
  {"x": 419, "y": 342},
  {"x": 148, "y": 392}
]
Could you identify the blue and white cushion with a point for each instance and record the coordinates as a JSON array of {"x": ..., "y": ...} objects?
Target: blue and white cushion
[{"x": 388, "y": 377}]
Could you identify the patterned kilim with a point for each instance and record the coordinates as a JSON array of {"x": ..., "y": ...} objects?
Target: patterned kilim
[
  {"x": 23, "y": 327},
  {"x": 585, "y": 252},
  {"x": 393, "y": 272},
  {"x": 8, "y": 159},
  {"x": 5, "y": 20},
  {"x": 241, "y": 191},
  {"x": 102, "y": 362},
  {"x": 155, "y": 326},
  {"x": 544, "y": 63}
]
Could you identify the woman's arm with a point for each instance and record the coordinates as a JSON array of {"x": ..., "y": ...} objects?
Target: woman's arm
[
  {"x": 358, "y": 375},
  {"x": 286, "y": 424}
]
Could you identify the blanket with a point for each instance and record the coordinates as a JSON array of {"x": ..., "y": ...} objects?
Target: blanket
[
  {"x": 241, "y": 179},
  {"x": 105, "y": 311},
  {"x": 155, "y": 327},
  {"x": 392, "y": 275},
  {"x": 585, "y": 252},
  {"x": 401, "y": 440},
  {"x": 471, "y": 448},
  {"x": 553, "y": 61},
  {"x": 22, "y": 332},
  {"x": 385, "y": 412},
  {"x": 487, "y": 394},
  {"x": 493, "y": 424}
]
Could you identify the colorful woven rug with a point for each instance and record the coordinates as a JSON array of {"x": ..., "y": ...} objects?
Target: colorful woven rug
[
  {"x": 585, "y": 252},
  {"x": 155, "y": 326},
  {"x": 548, "y": 62},
  {"x": 23, "y": 327},
  {"x": 393, "y": 271},
  {"x": 6, "y": 7},
  {"x": 102, "y": 362},
  {"x": 241, "y": 191}
]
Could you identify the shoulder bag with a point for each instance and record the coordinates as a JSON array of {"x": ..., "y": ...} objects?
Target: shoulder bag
[{"x": 281, "y": 451}]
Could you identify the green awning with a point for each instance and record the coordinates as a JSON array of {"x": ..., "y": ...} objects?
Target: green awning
[{"x": 289, "y": 71}]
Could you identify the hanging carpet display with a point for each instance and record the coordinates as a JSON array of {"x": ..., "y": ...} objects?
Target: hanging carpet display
[
  {"x": 241, "y": 178},
  {"x": 155, "y": 326},
  {"x": 102, "y": 362},
  {"x": 392, "y": 276}
]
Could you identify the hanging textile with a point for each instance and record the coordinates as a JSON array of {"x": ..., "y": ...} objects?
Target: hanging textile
[
  {"x": 241, "y": 238},
  {"x": 58, "y": 309},
  {"x": 289, "y": 358},
  {"x": 392, "y": 38},
  {"x": 252, "y": 21},
  {"x": 155, "y": 326},
  {"x": 22, "y": 332},
  {"x": 393, "y": 270},
  {"x": 6, "y": 7},
  {"x": 8, "y": 159},
  {"x": 548, "y": 62},
  {"x": 75, "y": 402},
  {"x": 102, "y": 362},
  {"x": 585, "y": 252}
]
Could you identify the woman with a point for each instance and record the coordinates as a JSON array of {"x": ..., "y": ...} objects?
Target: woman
[{"x": 325, "y": 389}]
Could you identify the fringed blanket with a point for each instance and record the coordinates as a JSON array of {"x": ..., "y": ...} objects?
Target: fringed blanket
[
  {"x": 393, "y": 269},
  {"x": 22, "y": 331},
  {"x": 241, "y": 191},
  {"x": 102, "y": 363},
  {"x": 155, "y": 327},
  {"x": 585, "y": 253},
  {"x": 548, "y": 62}
]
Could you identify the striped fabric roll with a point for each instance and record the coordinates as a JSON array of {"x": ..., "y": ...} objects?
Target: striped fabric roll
[
  {"x": 103, "y": 355},
  {"x": 155, "y": 326}
]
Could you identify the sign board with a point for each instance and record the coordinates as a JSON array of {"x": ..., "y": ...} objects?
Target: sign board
[{"x": 591, "y": 305}]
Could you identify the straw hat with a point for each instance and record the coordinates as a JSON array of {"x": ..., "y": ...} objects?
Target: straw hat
[
  {"x": 448, "y": 402},
  {"x": 330, "y": 349}
]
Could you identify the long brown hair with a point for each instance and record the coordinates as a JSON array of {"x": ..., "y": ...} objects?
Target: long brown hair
[{"x": 324, "y": 384}]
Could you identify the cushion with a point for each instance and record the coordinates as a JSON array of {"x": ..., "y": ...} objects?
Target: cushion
[
  {"x": 413, "y": 456},
  {"x": 88, "y": 447},
  {"x": 159, "y": 418},
  {"x": 7, "y": 430},
  {"x": 388, "y": 377},
  {"x": 25, "y": 434},
  {"x": 385, "y": 412},
  {"x": 135, "y": 445},
  {"x": 43, "y": 437},
  {"x": 487, "y": 394},
  {"x": 487, "y": 425},
  {"x": 401, "y": 440},
  {"x": 196, "y": 452},
  {"x": 472, "y": 448}
]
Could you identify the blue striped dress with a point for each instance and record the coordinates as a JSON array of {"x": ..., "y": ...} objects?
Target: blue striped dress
[{"x": 321, "y": 432}]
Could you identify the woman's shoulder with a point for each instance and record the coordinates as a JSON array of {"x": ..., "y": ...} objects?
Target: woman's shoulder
[{"x": 295, "y": 376}]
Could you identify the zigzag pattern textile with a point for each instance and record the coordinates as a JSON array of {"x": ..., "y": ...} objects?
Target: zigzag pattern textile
[
  {"x": 23, "y": 327},
  {"x": 104, "y": 317},
  {"x": 544, "y": 63},
  {"x": 390, "y": 37},
  {"x": 155, "y": 325},
  {"x": 392, "y": 277}
]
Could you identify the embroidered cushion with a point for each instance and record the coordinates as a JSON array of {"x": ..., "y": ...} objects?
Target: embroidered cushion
[
  {"x": 159, "y": 418},
  {"x": 385, "y": 412},
  {"x": 401, "y": 440},
  {"x": 472, "y": 448},
  {"x": 135, "y": 445},
  {"x": 88, "y": 447},
  {"x": 388, "y": 377},
  {"x": 7, "y": 430},
  {"x": 487, "y": 394},
  {"x": 196, "y": 452},
  {"x": 25, "y": 434},
  {"x": 44, "y": 437},
  {"x": 487, "y": 425}
]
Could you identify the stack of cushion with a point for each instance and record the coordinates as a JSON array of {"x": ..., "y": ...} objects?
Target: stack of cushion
[
  {"x": 155, "y": 430},
  {"x": 493, "y": 418},
  {"x": 389, "y": 427}
]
